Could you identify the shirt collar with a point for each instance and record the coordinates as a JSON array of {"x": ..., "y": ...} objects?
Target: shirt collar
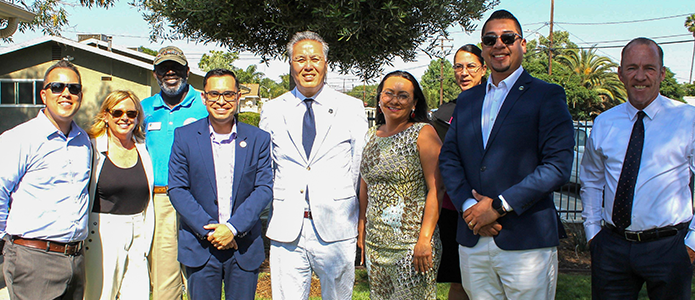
[
  {"x": 508, "y": 82},
  {"x": 300, "y": 98},
  {"x": 48, "y": 128},
  {"x": 222, "y": 138},
  {"x": 650, "y": 111}
]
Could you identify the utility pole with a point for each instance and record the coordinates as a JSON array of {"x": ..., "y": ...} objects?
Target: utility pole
[
  {"x": 550, "y": 48},
  {"x": 441, "y": 62},
  {"x": 692, "y": 61}
]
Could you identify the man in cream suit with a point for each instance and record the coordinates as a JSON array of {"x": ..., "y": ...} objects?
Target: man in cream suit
[{"x": 317, "y": 139}]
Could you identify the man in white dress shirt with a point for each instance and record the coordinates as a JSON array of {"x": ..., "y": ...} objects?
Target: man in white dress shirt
[
  {"x": 317, "y": 139},
  {"x": 637, "y": 163}
]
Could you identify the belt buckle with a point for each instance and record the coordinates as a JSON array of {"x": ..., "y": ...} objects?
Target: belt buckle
[
  {"x": 77, "y": 248},
  {"x": 630, "y": 236}
]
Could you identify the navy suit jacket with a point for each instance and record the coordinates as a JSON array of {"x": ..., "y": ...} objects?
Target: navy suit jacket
[
  {"x": 193, "y": 192},
  {"x": 528, "y": 156}
]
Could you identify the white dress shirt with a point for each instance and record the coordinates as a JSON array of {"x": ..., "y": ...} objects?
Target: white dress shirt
[
  {"x": 662, "y": 193},
  {"x": 494, "y": 98},
  {"x": 223, "y": 158}
]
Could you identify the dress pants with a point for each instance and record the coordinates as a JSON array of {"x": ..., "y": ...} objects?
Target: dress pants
[
  {"x": 116, "y": 257},
  {"x": 620, "y": 268},
  {"x": 205, "y": 282},
  {"x": 291, "y": 265},
  {"x": 166, "y": 273},
  {"x": 488, "y": 272},
  {"x": 33, "y": 274}
]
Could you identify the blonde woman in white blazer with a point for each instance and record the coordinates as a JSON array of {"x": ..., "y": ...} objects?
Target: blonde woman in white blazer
[{"x": 121, "y": 222}]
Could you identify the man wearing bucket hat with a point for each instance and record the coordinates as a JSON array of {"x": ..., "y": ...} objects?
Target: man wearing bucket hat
[{"x": 177, "y": 104}]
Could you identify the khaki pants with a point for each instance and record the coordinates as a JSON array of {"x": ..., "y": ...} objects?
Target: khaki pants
[{"x": 166, "y": 273}]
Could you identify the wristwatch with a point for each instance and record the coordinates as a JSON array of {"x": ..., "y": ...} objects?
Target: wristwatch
[{"x": 498, "y": 207}]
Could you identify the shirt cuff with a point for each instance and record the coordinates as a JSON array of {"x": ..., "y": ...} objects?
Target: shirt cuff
[
  {"x": 231, "y": 228},
  {"x": 591, "y": 230},
  {"x": 468, "y": 203},
  {"x": 690, "y": 239},
  {"x": 506, "y": 206}
]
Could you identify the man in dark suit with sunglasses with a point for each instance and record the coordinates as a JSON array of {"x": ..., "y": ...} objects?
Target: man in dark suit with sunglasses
[
  {"x": 44, "y": 176},
  {"x": 177, "y": 104},
  {"x": 509, "y": 146}
]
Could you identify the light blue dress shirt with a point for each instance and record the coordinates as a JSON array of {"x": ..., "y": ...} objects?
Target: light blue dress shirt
[
  {"x": 161, "y": 121},
  {"x": 44, "y": 178}
]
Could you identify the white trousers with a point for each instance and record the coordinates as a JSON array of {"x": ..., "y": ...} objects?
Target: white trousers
[
  {"x": 291, "y": 265},
  {"x": 116, "y": 258},
  {"x": 488, "y": 272}
]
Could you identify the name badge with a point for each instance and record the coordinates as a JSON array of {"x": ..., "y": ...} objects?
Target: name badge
[{"x": 154, "y": 126}]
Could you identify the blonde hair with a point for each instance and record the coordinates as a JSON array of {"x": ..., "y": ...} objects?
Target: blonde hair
[{"x": 99, "y": 126}]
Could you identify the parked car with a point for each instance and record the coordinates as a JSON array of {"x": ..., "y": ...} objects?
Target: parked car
[{"x": 582, "y": 130}]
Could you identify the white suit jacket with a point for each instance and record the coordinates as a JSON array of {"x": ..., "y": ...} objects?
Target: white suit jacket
[{"x": 330, "y": 174}]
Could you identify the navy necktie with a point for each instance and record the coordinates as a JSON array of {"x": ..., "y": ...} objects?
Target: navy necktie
[
  {"x": 309, "y": 127},
  {"x": 625, "y": 192}
]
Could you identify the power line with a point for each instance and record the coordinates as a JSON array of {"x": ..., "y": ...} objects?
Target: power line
[
  {"x": 625, "y": 22},
  {"x": 627, "y": 40}
]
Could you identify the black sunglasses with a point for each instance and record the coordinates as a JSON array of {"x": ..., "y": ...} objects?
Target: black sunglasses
[
  {"x": 507, "y": 38},
  {"x": 163, "y": 68},
  {"x": 117, "y": 113},
  {"x": 59, "y": 87}
]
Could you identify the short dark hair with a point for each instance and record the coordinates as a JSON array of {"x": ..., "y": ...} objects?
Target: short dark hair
[
  {"x": 503, "y": 14},
  {"x": 472, "y": 49},
  {"x": 420, "y": 101},
  {"x": 644, "y": 41},
  {"x": 219, "y": 73},
  {"x": 63, "y": 64}
]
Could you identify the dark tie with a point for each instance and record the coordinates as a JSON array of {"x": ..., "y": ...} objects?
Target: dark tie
[
  {"x": 625, "y": 192},
  {"x": 309, "y": 127}
]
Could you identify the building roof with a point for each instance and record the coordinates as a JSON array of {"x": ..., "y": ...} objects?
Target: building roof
[
  {"x": 98, "y": 47},
  {"x": 9, "y": 10}
]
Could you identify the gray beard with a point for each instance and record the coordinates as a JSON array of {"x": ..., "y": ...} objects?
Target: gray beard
[{"x": 175, "y": 91}]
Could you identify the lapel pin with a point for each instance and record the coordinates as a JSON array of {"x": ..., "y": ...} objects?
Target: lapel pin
[
  {"x": 330, "y": 110},
  {"x": 242, "y": 144},
  {"x": 521, "y": 88}
]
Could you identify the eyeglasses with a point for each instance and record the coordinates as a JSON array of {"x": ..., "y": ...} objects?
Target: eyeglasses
[
  {"x": 471, "y": 68},
  {"x": 315, "y": 59},
  {"x": 59, "y": 87},
  {"x": 117, "y": 113},
  {"x": 164, "y": 68},
  {"x": 507, "y": 38},
  {"x": 214, "y": 96},
  {"x": 388, "y": 96}
]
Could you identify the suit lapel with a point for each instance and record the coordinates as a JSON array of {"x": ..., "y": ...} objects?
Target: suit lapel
[
  {"x": 519, "y": 88},
  {"x": 293, "y": 125},
  {"x": 324, "y": 115},
  {"x": 476, "y": 115},
  {"x": 240, "y": 152},
  {"x": 205, "y": 146}
]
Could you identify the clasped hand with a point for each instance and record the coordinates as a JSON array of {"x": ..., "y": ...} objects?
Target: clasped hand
[
  {"x": 481, "y": 217},
  {"x": 221, "y": 238}
]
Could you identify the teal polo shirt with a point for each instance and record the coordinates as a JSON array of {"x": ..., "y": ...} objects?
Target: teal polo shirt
[{"x": 160, "y": 123}]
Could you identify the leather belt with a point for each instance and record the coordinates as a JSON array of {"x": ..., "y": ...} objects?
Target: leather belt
[
  {"x": 646, "y": 235},
  {"x": 307, "y": 215},
  {"x": 65, "y": 248},
  {"x": 160, "y": 189}
]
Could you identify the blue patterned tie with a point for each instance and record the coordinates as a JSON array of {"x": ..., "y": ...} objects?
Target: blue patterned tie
[
  {"x": 625, "y": 192},
  {"x": 309, "y": 127}
]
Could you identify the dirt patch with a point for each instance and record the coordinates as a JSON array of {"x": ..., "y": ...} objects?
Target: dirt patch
[
  {"x": 264, "y": 290},
  {"x": 573, "y": 252}
]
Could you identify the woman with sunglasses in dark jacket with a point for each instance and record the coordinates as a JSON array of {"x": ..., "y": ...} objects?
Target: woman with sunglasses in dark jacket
[{"x": 121, "y": 224}]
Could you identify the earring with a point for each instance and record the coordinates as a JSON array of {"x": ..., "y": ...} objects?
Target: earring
[{"x": 412, "y": 114}]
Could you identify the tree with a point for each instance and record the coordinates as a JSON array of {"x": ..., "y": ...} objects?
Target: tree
[
  {"x": 430, "y": 83},
  {"x": 596, "y": 73},
  {"x": 690, "y": 25},
  {"x": 365, "y": 93},
  {"x": 250, "y": 75},
  {"x": 363, "y": 35},
  {"x": 671, "y": 88},
  {"x": 149, "y": 51},
  {"x": 217, "y": 60}
]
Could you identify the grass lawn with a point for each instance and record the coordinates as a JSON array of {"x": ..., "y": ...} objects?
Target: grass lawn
[{"x": 569, "y": 286}]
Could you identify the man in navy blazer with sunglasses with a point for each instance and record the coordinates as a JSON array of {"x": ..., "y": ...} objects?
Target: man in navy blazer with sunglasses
[{"x": 509, "y": 146}]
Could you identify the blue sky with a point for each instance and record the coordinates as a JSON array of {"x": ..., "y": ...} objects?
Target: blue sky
[{"x": 129, "y": 29}]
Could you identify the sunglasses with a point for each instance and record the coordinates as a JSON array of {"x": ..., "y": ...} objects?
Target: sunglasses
[
  {"x": 117, "y": 113},
  {"x": 507, "y": 38},
  {"x": 163, "y": 68},
  {"x": 59, "y": 87}
]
